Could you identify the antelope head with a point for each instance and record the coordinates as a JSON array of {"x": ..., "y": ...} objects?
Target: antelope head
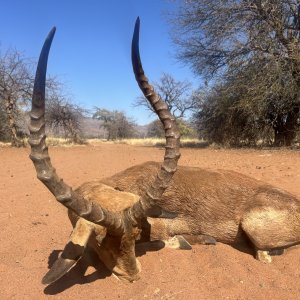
[{"x": 120, "y": 227}]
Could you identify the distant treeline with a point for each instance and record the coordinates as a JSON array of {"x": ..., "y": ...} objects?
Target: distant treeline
[{"x": 246, "y": 55}]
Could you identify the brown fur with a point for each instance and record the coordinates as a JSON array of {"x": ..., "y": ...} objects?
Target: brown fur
[{"x": 222, "y": 205}]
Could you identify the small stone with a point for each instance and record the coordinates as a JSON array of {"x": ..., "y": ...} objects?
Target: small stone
[{"x": 157, "y": 291}]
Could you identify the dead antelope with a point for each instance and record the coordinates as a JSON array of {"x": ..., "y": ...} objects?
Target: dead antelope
[
  {"x": 111, "y": 222},
  {"x": 194, "y": 205}
]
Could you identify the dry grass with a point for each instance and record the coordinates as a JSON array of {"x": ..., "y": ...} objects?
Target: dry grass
[
  {"x": 61, "y": 142},
  {"x": 150, "y": 142},
  {"x": 134, "y": 142},
  {"x": 154, "y": 142},
  {"x": 4, "y": 145},
  {"x": 51, "y": 141}
]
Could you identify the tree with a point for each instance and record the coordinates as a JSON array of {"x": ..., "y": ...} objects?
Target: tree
[
  {"x": 116, "y": 123},
  {"x": 213, "y": 35},
  {"x": 155, "y": 129},
  {"x": 3, "y": 123},
  {"x": 63, "y": 115},
  {"x": 234, "y": 113},
  {"x": 16, "y": 85},
  {"x": 177, "y": 94},
  {"x": 15, "y": 90},
  {"x": 254, "y": 44},
  {"x": 219, "y": 119}
]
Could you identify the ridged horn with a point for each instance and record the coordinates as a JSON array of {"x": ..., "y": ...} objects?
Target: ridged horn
[
  {"x": 147, "y": 205},
  {"x": 41, "y": 160}
]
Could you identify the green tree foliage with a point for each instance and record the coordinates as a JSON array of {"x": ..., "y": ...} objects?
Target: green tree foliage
[
  {"x": 250, "y": 50},
  {"x": 220, "y": 119},
  {"x": 270, "y": 97},
  {"x": 155, "y": 129},
  {"x": 186, "y": 129},
  {"x": 116, "y": 123},
  {"x": 234, "y": 113}
]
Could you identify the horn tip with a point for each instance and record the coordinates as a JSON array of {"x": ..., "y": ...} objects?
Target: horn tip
[
  {"x": 135, "y": 38},
  {"x": 52, "y": 32},
  {"x": 53, "y": 29},
  {"x": 137, "y": 26}
]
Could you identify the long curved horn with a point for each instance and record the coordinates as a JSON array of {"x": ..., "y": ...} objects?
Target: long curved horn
[
  {"x": 147, "y": 206},
  {"x": 41, "y": 160}
]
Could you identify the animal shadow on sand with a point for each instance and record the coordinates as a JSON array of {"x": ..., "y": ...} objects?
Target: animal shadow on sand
[{"x": 76, "y": 275}]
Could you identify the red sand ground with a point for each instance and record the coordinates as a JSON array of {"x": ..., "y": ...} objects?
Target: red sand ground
[{"x": 34, "y": 228}]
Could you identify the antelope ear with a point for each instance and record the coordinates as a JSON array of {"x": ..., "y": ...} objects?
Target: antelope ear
[
  {"x": 72, "y": 252},
  {"x": 59, "y": 269},
  {"x": 183, "y": 243}
]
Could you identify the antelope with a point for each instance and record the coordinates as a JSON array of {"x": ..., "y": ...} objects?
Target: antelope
[{"x": 180, "y": 206}]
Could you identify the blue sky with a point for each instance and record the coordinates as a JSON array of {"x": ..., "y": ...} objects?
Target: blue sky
[{"x": 91, "y": 48}]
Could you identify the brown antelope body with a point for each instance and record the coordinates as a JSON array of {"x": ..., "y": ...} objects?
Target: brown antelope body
[
  {"x": 154, "y": 202},
  {"x": 224, "y": 205}
]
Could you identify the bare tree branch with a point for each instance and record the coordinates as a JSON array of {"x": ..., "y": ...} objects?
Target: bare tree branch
[
  {"x": 176, "y": 94},
  {"x": 16, "y": 87},
  {"x": 251, "y": 50}
]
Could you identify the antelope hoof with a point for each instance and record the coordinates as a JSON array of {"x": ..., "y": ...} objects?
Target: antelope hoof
[
  {"x": 277, "y": 251},
  {"x": 206, "y": 240},
  {"x": 59, "y": 269}
]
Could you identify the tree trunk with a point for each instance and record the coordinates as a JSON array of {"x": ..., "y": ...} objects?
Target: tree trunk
[
  {"x": 291, "y": 126},
  {"x": 285, "y": 130},
  {"x": 278, "y": 137},
  {"x": 12, "y": 125},
  {"x": 74, "y": 134}
]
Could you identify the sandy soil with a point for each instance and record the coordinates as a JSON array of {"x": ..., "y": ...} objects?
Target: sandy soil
[{"x": 34, "y": 228}]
